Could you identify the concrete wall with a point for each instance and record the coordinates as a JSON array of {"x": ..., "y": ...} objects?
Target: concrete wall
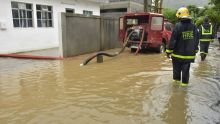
[
  {"x": 109, "y": 33},
  {"x": 27, "y": 39},
  {"x": 115, "y": 15},
  {"x": 82, "y": 34}
]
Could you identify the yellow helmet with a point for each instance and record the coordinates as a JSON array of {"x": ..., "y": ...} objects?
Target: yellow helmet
[{"x": 182, "y": 12}]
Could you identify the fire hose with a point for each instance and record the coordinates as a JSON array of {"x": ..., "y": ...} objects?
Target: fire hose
[
  {"x": 85, "y": 62},
  {"x": 22, "y": 56}
]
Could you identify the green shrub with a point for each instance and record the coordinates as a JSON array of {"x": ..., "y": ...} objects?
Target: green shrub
[{"x": 170, "y": 14}]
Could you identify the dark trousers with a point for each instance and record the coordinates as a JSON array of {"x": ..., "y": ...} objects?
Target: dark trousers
[
  {"x": 181, "y": 67},
  {"x": 204, "y": 47}
]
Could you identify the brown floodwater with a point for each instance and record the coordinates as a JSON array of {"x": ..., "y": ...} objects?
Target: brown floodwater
[{"x": 126, "y": 89}]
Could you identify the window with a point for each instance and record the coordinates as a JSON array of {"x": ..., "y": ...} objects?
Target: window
[
  {"x": 136, "y": 20},
  {"x": 87, "y": 13},
  {"x": 113, "y": 10},
  {"x": 44, "y": 16},
  {"x": 68, "y": 10},
  {"x": 132, "y": 21},
  {"x": 168, "y": 26},
  {"x": 157, "y": 23},
  {"x": 22, "y": 14}
]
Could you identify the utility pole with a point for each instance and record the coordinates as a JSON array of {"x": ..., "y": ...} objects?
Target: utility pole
[
  {"x": 145, "y": 5},
  {"x": 158, "y": 6},
  {"x": 129, "y": 5},
  {"x": 161, "y": 6}
]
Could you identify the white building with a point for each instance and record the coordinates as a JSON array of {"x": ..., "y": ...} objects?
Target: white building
[{"x": 27, "y": 25}]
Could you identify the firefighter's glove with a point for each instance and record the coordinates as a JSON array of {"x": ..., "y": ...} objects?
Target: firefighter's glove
[
  {"x": 168, "y": 55},
  {"x": 168, "y": 52},
  {"x": 196, "y": 51}
]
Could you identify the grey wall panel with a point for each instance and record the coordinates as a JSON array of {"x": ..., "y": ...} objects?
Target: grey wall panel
[{"x": 82, "y": 34}]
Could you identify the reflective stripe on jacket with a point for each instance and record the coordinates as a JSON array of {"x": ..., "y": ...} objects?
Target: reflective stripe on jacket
[
  {"x": 184, "y": 41},
  {"x": 206, "y": 32}
]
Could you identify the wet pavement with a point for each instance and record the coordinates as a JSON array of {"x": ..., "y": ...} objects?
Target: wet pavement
[
  {"x": 52, "y": 52},
  {"x": 126, "y": 89}
]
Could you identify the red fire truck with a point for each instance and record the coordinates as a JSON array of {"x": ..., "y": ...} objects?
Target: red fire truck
[
  {"x": 167, "y": 31},
  {"x": 143, "y": 31}
]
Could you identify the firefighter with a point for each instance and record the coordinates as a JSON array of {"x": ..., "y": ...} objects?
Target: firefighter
[
  {"x": 218, "y": 36},
  {"x": 206, "y": 34},
  {"x": 183, "y": 46}
]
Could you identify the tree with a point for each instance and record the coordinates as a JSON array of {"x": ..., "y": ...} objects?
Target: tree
[
  {"x": 211, "y": 12},
  {"x": 216, "y": 3},
  {"x": 194, "y": 11},
  {"x": 215, "y": 10},
  {"x": 170, "y": 14},
  {"x": 202, "y": 11},
  {"x": 200, "y": 20}
]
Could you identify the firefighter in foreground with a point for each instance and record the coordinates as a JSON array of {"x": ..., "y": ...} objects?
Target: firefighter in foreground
[
  {"x": 183, "y": 47},
  {"x": 206, "y": 34}
]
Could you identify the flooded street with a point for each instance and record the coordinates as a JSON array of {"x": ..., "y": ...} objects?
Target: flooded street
[{"x": 126, "y": 89}]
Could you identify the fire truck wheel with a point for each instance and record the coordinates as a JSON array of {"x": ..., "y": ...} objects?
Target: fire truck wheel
[{"x": 161, "y": 48}]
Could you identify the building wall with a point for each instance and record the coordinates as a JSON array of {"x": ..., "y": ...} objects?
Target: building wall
[
  {"x": 112, "y": 7},
  {"x": 139, "y": 1},
  {"x": 27, "y": 39}
]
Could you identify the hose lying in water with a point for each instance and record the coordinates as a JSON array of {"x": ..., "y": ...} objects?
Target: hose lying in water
[
  {"x": 22, "y": 56},
  {"x": 98, "y": 54},
  {"x": 85, "y": 62}
]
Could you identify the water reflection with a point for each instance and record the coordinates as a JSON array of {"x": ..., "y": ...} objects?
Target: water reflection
[
  {"x": 177, "y": 107},
  {"x": 204, "y": 93},
  {"x": 127, "y": 89}
]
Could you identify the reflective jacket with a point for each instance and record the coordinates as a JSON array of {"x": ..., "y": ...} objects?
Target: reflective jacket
[
  {"x": 206, "y": 32},
  {"x": 184, "y": 42}
]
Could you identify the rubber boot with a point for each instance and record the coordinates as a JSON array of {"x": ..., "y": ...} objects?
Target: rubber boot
[
  {"x": 184, "y": 84},
  {"x": 202, "y": 57}
]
